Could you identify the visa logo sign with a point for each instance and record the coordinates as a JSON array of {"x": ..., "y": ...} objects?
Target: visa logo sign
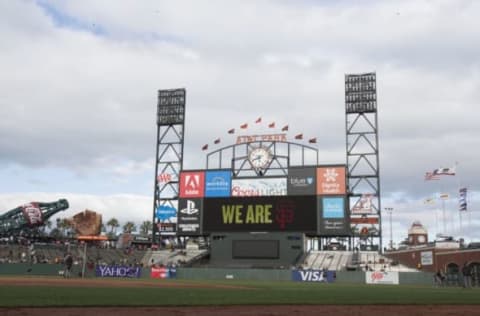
[{"x": 312, "y": 276}]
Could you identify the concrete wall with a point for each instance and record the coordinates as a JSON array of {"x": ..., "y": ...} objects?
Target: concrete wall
[{"x": 290, "y": 250}]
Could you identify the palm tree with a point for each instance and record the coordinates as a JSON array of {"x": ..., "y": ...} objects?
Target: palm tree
[
  {"x": 129, "y": 227},
  {"x": 113, "y": 223},
  {"x": 145, "y": 227},
  {"x": 62, "y": 226}
]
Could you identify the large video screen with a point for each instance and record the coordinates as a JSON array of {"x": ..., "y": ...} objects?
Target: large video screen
[{"x": 260, "y": 214}]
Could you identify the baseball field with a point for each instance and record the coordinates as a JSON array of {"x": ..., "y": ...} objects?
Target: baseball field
[{"x": 57, "y": 296}]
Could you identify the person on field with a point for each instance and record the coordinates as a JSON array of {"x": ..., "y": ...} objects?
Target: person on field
[
  {"x": 439, "y": 278},
  {"x": 68, "y": 265},
  {"x": 467, "y": 276}
]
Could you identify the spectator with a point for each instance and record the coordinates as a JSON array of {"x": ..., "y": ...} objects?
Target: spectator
[{"x": 467, "y": 276}]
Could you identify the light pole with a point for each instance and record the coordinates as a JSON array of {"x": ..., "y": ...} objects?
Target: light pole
[{"x": 390, "y": 211}]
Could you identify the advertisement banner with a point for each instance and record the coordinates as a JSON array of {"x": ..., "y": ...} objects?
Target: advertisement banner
[
  {"x": 163, "y": 273},
  {"x": 325, "y": 276},
  {"x": 332, "y": 219},
  {"x": 167, "y": 229},
  {"x": 364, "y": 205},
  {"x": 301, "y": 181},
  {"x": 331, "y": 181},
  {"x": 379, "y": 277},
  {"x": 192, "y": 184},
  {"x": 165, "y": 212},
  {"x": 260, "y": 214},
  {"x": 426, "y": 258},
  {"x": 189, "y": 217},
  {"x": 218, "y": 183},
  {"x": 118, "y": 271},
  {"x": 259, "y": 187}
]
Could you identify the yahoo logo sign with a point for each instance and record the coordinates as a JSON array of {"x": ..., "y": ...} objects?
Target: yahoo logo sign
[{"x": 118, "y": 271}]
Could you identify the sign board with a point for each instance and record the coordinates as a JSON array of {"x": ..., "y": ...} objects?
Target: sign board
[
  {"x": 259, "y": 187},
  {"x": 426, "y": 258},
  {"x": 380, "y": 277},
  {"x": 260, "y": 214},
  {"x": 218, "y": 183},
  {"x": 331, "y": 180},
  {"x": 332, "y": 219},
  {"x": 301, "y": 181},
  {"x": 189, "y": 216},
  {"x": 192, "y": 184}
]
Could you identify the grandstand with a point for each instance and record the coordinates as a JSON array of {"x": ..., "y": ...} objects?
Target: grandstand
[{"x": 352, "y": 260}]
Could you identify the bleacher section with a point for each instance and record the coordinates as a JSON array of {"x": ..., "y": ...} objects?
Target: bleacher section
[
  {"x": 343, "y": 260},
  {"x": 175, "y": 257}
]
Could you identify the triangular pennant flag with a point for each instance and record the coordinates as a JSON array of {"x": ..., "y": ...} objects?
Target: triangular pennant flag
[
  {"x": 271, "y": 125},
  {"x": 299, "y": 136},
  {"x": 244, "y": 126},
  {"x": 205, "y": 147},
  {"x": 231, "y": 131},
  {"x": 259, "y": 120},
  {"x": 217, "y": 141},
  {"x": 285, "y": 128}
]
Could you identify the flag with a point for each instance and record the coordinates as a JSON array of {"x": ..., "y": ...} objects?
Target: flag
[
  {"x": 444, "y": 196},
  {"x": 259, "y": 120},
  {"x": 444, "y": 171},
  {"x": 312, "y": 140},
  {"x": 462, "y": 199},
  {"x": 299, "y": 136},
  {"x": 231, "y": 131},
  {"x": 431, "y": 176},
  {"x": 244, "y": 126},
  {"x": 217, "y": 141},
  {"x": 429, "y": 201},
  {"x": 205, "y": 147},
  {"x": 271, "y": 125},
  {"x": 285, "y": 128}
]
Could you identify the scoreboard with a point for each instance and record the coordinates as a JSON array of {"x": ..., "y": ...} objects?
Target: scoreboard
[{"x": 312, "y": 200}]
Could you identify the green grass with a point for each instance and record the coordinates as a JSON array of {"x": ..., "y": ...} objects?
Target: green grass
[{"x": 258, "y": 293}]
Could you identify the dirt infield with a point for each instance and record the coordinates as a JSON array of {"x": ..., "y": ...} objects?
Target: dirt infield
[
  {"x": 277, "y": 310},
  {"x": 270, "y": 310}
]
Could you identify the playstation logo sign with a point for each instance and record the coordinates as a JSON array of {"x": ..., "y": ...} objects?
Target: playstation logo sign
[{"x": 190, "y": 209}]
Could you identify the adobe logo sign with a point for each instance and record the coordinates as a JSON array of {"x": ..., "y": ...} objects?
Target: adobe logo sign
[{"x": 192, "y": 184}]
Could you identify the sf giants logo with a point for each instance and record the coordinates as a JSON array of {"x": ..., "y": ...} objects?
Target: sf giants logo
[
  {"x": 164, "y": 178},
  {"x": 285, "y": 213}
]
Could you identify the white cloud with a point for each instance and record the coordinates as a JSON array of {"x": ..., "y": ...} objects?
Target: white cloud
[{"x": 79, "y": 81}]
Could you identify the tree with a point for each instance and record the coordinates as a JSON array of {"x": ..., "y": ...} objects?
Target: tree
[
  {"x": 62, "y": 226},
  {"x": 113, "y": 223},
  {"x": 129, "y": 227},
  {"x": 146, "y": 227}
]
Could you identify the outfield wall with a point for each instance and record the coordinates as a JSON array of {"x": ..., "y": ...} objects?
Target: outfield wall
[{"x": 359, "y": 277}]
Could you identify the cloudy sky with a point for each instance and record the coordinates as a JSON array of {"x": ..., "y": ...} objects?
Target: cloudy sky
[{"x": 79, "y": 80}]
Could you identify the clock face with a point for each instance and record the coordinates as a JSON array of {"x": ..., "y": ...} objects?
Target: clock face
[
  {"x": 259, "y": 157},
  {"x": 421, "y": 239}
]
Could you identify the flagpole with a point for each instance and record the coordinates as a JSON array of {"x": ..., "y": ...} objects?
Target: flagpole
[{"x": 444, "y": 222}]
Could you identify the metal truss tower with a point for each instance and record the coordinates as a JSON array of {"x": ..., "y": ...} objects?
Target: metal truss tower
[
  {"x": 363, "y": 172},
  {"x": 169, "y": 161}
]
